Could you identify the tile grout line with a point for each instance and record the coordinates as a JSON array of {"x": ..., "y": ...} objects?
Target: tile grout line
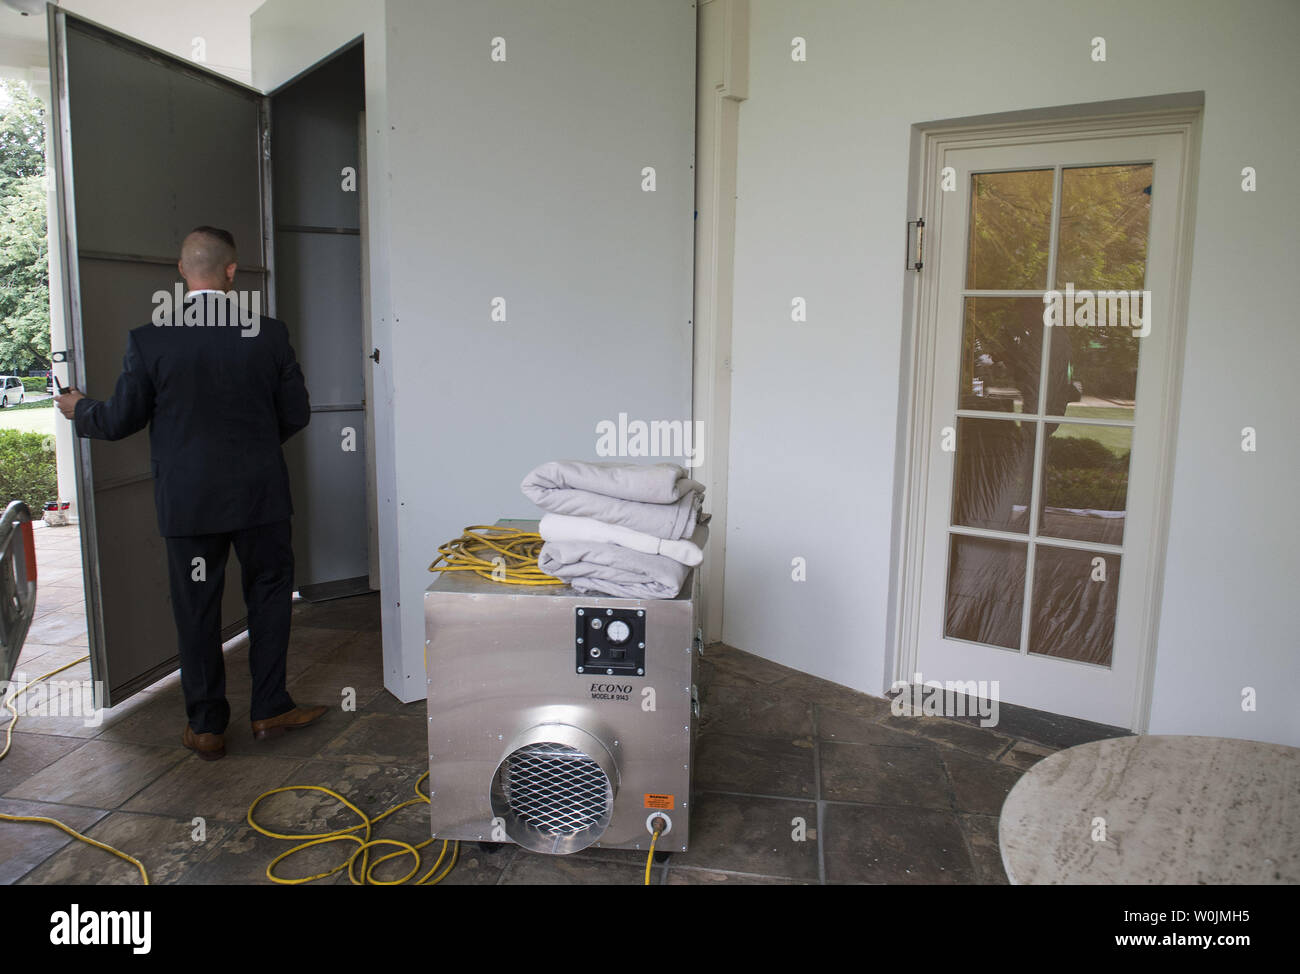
[
  {"x": 737, "y": 872},
  {"x": 961, "y": 824},
  {"x": 817, "y": 794},
  {"x": 829, "y": 802},
  {"x": 500, "y": 881}
]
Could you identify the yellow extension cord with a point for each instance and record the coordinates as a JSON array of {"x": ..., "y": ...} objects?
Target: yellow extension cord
[
  {"x": 9, "y": 739},
  {"x": 650, "y": 857},
  {"x": 364, "y": 846},
  {"x": 508, "y": 555}
]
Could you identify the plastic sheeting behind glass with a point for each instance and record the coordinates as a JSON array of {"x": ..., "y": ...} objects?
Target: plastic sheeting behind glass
[
  {"x": 1074, "y": 604},
  {"x": 986, "y": 591},
  {"x": 994, "y": 474}
]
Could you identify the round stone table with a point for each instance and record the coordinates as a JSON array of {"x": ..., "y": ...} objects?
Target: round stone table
[{"x": 1160, "y": 809}]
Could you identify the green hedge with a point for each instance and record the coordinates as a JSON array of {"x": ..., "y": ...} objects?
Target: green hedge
[
  {"x": 1083, "y": 474},
  {"x": 27, "y": 469},
  {"x": 1102, "y": 490},
  {"x": 34, "y": 383},
  {"x": 1082, "y": 453}
]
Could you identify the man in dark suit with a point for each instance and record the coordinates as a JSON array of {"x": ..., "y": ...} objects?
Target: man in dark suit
[{"x": 221, "y": 390}]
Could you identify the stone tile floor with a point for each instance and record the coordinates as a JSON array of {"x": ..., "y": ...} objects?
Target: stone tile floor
[{"x": 883, "y": 798}]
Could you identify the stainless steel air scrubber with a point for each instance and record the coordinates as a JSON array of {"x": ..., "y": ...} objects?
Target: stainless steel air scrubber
[{"x": 559, "y": 721}]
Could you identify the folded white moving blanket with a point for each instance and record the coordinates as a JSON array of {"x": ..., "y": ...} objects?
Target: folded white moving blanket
[
  {"x": 655, "y": 499},
  {"x": 564, "y": 527},
  {"x": 610, "y": 569}
]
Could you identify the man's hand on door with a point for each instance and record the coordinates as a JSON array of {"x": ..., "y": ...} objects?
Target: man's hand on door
[{"x": 67, "y": 402}]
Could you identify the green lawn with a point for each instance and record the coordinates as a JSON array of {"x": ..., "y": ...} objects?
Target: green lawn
[
  {"x": 37, "y": 417},
  {"x": 1116, "y": 439}
]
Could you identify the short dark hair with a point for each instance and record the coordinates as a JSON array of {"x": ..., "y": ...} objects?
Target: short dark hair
[{"x": 225, "y": 236}]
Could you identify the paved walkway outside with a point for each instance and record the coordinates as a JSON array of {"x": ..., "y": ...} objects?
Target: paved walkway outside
[{"x": 58, "y": 632}]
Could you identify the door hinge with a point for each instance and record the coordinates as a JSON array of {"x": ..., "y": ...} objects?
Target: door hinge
[{"x": 909, "y": 263}]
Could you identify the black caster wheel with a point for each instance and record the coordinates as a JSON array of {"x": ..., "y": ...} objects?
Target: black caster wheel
[
  {"x": 490, "y": 847},
  {"x": 661, "y": 858}
]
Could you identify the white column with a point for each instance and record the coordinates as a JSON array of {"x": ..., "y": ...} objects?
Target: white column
[
  {"x": 723, "y": 72},
  {"x": 63, "y": 436}
]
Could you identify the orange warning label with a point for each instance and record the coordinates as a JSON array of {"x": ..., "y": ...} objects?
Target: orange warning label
[{"x": 662, "y": 802}]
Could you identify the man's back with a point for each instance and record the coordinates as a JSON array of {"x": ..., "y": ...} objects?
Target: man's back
[
  {"x": 220, "y": 397},
  {"x": 220, "y": 394}
]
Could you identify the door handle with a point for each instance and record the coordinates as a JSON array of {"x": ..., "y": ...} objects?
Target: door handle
[{"x": 58, "y": 356}]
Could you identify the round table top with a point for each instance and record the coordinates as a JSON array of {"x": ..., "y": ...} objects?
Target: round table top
[{"x": 1156, "y": 810}]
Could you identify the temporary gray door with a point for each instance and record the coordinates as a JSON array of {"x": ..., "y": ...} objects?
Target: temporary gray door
[
  {"x": 316, "y": 181},
  {"x": 146, "y": 148}
]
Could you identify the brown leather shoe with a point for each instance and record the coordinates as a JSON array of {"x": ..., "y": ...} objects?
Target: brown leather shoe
[
  {"x": 210, "y": 747},
  {"x": 293, "y": 720}
]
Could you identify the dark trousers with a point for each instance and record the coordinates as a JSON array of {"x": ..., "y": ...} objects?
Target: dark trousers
[{"x": 266, "y": 557}]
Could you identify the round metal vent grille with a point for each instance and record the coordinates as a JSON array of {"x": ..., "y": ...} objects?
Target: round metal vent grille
[{"x": 556, "y": 790}]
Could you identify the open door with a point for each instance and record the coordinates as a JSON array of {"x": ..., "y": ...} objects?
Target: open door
[
  {"x": 146, "y": 147},
  {"x": 317, "y": 182}
]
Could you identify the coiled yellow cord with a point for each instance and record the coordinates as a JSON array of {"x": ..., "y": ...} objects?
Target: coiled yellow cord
[
  {"x": 41, "y": 819},
  {"x": 364, "y": 845},
  {"x": 507, "y": 555}
]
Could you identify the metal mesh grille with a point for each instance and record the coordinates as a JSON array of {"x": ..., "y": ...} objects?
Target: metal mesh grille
[{"x": 555, "y": 789}]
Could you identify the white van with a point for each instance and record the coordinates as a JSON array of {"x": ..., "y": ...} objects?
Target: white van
[{"x": 12, "y": 392}]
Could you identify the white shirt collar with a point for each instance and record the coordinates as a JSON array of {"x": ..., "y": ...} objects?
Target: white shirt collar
[{"x": 203, "y": 290}]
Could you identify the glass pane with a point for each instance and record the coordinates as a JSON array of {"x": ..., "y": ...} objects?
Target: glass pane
[
  {"x": 1105, "y": 219},
  {"x": 993, "y": 474},
  {"x": 1085, "y": 482},
  {"x": 986, "y": 591},
  {"x": 1074, "y": 604},
  {"x": 1001, "y": 354},
  {"x": 1092, "y": 372},
  {"x": 1011, "y": 227}
]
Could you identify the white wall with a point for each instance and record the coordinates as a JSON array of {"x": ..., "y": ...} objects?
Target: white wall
[
  {"x": 521, "y": 179},
  {"x": 823, "y": 196}
]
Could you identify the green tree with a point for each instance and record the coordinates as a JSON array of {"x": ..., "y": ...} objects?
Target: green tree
[
  {"x": 24, "y": 257},
  {"x": 22, "y": 132},
  {"x": 24, "y": 277}
]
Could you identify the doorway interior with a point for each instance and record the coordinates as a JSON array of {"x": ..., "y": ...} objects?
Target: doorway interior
[{"x": 284, "y": 173}]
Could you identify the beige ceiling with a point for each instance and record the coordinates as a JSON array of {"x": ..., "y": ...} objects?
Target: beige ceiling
[{"x": 172, "y": 25}]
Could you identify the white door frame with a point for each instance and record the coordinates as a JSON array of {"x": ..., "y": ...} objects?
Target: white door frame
[
  {"x": 922, "y": 427},
  {"x": 723, "y": 69}
]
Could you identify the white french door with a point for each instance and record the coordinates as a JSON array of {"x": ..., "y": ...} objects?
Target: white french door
[{"x": 1040, "y": 497}]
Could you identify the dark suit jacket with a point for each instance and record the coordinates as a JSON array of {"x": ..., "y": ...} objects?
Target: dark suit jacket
[{"x": 219, "y": 399}]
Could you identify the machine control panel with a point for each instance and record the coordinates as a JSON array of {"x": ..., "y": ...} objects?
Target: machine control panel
[{"x": 610, "y": 641}]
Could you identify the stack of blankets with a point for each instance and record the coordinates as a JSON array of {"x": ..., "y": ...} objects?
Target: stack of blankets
[{"x": 622, "y": 529}]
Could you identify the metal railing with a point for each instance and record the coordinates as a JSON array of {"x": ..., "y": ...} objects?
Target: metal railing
[{"x": 17, "y": 583}]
